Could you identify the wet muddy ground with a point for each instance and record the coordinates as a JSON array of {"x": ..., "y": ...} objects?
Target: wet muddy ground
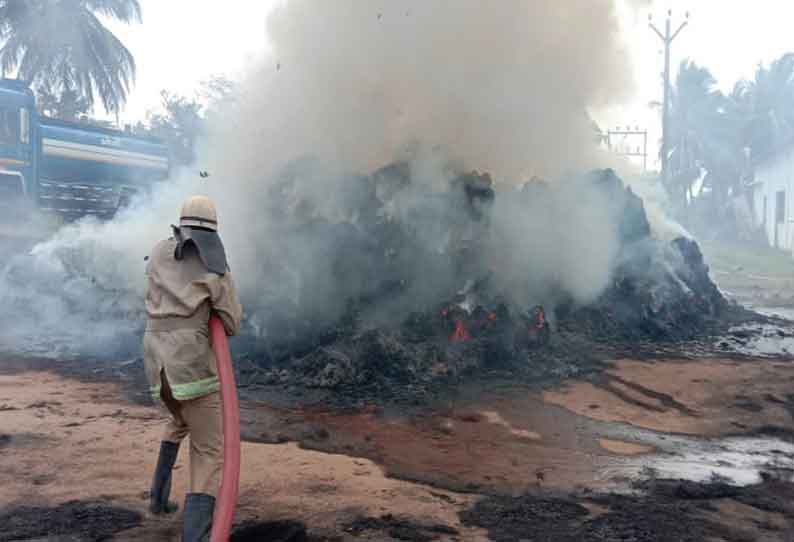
[
  {"x": 666, "y": 449},
  {"x": 679, "y": 417}
]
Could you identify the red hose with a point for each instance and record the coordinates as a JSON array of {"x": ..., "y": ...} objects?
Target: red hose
[{"x": 230, "y": 477}]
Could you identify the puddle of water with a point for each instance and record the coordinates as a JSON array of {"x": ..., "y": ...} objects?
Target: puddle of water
[
  {"x": 767, "y": 343},
  {"x": 763, "y": 340},
  {"x": 768, "y": 346},
  {"x": 739, "y": 459},
  {"x": 780, "y": 312}
]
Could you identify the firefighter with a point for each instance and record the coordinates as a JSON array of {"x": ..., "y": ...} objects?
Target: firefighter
[{"x": 188, "y": 280}]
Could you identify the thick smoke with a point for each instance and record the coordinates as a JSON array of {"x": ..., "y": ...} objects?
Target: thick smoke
[
  {"x": 350, "y": 86},
  {"x": 504, "y": 86},
  {"x": 81, "y": 291}
]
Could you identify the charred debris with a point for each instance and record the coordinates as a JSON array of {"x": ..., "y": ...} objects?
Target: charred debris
[{"x": 420, "y": 313}]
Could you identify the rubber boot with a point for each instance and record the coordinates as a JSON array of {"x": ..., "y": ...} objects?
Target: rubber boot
[
  {"x": 197, "y": 519},
  {"x": 161, "y": 483}
]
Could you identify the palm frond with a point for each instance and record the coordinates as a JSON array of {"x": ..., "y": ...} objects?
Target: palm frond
[
  {"x": 125, "y": 11},
  {"x": 65, "y": 46}
]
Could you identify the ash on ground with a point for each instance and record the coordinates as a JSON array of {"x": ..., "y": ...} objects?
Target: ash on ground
[{"x": 665, "y": 511}]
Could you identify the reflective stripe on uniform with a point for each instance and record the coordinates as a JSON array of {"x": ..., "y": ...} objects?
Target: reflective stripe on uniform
[{"x": 191, "y": 390}]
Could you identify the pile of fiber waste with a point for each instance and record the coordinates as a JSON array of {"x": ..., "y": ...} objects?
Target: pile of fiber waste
[
  {"x": 408, "y": 332},
  {"x": 418, "y": 274}
]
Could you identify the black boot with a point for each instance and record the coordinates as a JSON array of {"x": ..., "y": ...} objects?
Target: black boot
[
  {"x": 197, "y": 519},
  {"x": 161, "y": 483}
]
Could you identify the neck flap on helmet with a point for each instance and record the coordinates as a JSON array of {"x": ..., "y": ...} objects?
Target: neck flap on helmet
[{"x": 208, "y": 245}]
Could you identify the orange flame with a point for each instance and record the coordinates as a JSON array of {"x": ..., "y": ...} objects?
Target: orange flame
[
  {"x": 461, "y": 334},
  {"x": 541, "y": 318}
]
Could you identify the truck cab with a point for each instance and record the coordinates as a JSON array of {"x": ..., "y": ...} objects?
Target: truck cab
[
  {"x": 17, "y": 142},
  {"x": 68, "y": 168}
]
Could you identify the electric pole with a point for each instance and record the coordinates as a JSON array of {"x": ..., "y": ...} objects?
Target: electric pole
[
  {"x": 617, "y": 141},
  {"x": 667, "y": 38}
]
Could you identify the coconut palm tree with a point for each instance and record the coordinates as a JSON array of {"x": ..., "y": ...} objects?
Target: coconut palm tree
[
  {"x": 695, "y": 107},
  {"x": 767, "y": 102},
  {"x": 709, "y": 153},
  {"x": 717, "y": 140},
  {"x": 64, "y": 45}
]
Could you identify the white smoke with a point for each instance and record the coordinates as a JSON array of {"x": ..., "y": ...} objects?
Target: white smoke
[
  {"x": 504, "y": 86},
  {"x": 656, "y": 201}
]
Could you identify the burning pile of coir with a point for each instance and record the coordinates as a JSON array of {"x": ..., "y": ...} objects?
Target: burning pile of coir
[
  {"x": 396, "y": 282},
  {"x": 471, "y": 320}
]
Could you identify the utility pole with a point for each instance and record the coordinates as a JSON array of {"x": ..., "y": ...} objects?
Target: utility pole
[{"x": 667, "y": 38}]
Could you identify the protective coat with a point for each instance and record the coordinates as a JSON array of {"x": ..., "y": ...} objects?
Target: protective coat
[{"x": 180, "y": 297}]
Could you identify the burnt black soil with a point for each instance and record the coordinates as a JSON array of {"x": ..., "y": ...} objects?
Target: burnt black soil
[
  {"x": 389, "y": 374},
  {"x": 399, "y": 378},
  {"x": 83, "y": 521},
  {"x": 127, "y": 374},
  {"x": 533, "y": 518},
  {"x": 272, "y": 531},
  {"x": 667, "y": 511},
  {"x": 398, "y": 528},
  {"x": 773, "y": 495}
]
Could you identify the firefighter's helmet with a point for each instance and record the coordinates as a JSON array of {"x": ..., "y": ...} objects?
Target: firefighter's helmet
[{"x": 199, "y": 212}]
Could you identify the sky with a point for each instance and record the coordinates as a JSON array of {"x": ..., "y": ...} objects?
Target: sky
[
  {"x": 183, "y": 42},
  {"x": 729, "y": 37}
]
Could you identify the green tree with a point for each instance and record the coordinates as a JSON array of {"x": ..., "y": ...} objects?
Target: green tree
[
  {"x": 67, "y": 104},
  {"x": 767, "y": 106},
  {"x": 63, "y": 45},
  {"x": 217, "y": 92},
  {"x": 694, "y": 108},
  {"x": 180, "y": 121},
  {"x": 218, "y": 95},
  {"x": 709, "y": 153},
  {"x": 717, "y": 140}
]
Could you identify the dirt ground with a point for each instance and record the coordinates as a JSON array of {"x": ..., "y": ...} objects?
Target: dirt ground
[
  {"x": 64, "y": 440},
  {"x": 711, "y": 398},
  {"x": 492, "y": 465}
]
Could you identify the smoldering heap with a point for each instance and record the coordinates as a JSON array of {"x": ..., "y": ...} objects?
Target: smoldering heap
[
  {"x": 430, "y": 297},
  {"x": 406, "y": 278}
]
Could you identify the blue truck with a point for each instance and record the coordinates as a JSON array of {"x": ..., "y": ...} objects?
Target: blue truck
[{"x": 71, "y": 169}]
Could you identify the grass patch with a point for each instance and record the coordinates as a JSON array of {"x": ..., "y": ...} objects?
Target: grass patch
[{"x": 748, "y": 259}]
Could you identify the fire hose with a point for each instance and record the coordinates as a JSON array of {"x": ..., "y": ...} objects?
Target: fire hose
[{"x": 230, "y": 409}]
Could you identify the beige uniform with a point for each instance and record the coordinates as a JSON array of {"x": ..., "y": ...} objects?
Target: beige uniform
[{"x": 178, "y": 358}]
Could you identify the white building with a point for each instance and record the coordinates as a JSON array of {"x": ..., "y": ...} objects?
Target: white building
[{"x": 773, "y": 200}]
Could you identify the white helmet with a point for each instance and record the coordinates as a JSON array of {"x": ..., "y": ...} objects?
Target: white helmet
[{"x": 199, "y": 212}]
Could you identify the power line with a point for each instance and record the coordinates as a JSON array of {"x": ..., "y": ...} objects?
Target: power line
[
  {"x": 667, "y": 38},
  {"x": 621, "y": 141}
]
